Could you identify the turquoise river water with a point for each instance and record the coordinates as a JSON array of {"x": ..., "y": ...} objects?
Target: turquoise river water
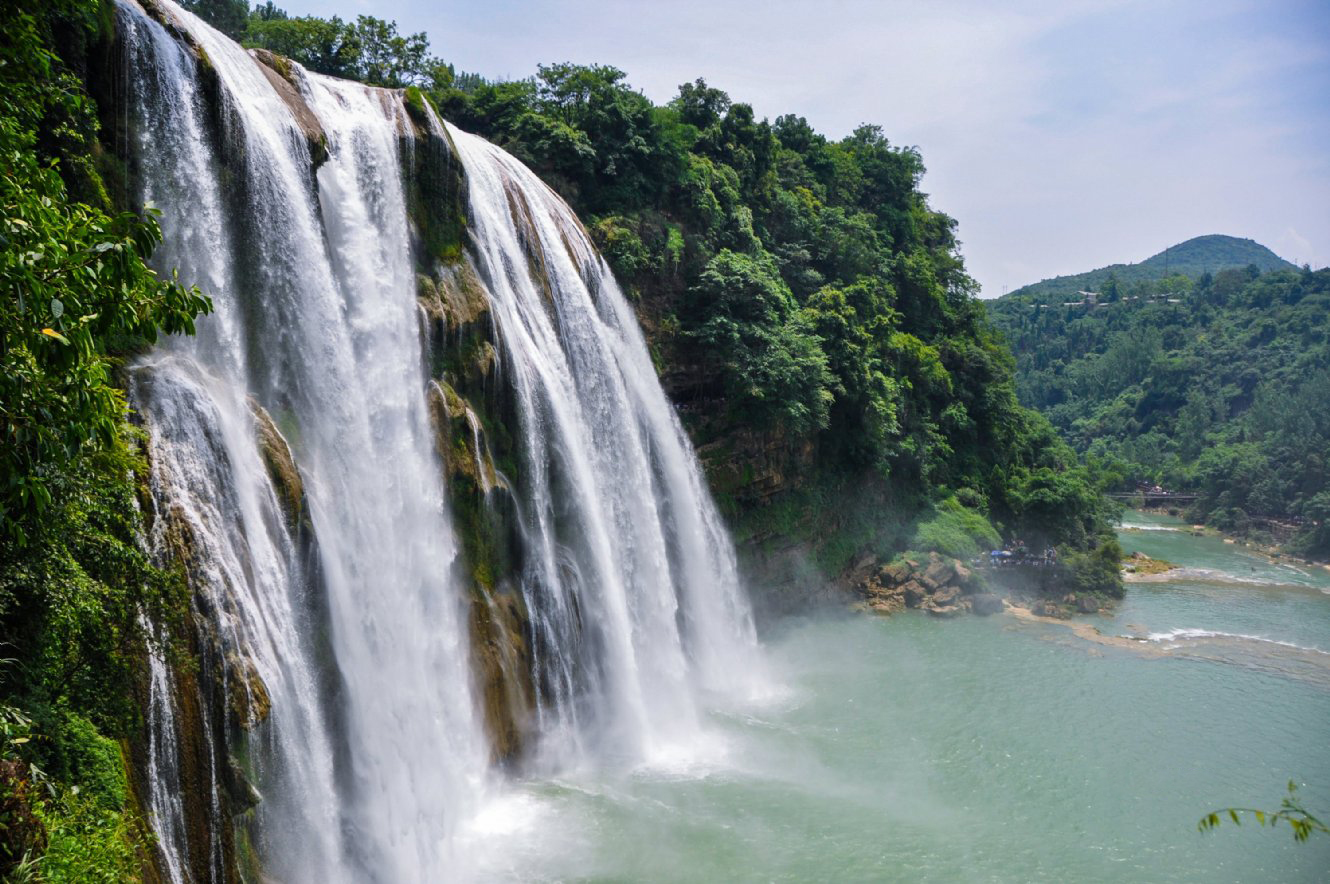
[{"x": 983, "y": 749}]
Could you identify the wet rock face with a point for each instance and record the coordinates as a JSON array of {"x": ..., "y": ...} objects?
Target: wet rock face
[
  {"x": 503, "y": 672},
  {"x": 280, "y": 463},
  {"x": 247, "y": 699},
  {"x": 284, "y": 78},
  {"x": 986, "y": 603}
]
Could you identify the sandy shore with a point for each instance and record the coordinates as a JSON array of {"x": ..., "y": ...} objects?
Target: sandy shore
[{"x": 1088, "y": 631}]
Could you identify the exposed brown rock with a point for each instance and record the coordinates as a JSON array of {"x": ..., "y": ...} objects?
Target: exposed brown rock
[
  {"x": 965, "y": 578},
  {"x": 939, "y": 572},
  {"x": 248, "y": 701},
  {"x": 454, "y": 296},
  {"x": 280, "y": 464},
  {"x": 282, "y": 76},
  {"x": 503, "y": 665},
  {"x": 894, "y": 573},
  {"x": 947, "y": 595}
]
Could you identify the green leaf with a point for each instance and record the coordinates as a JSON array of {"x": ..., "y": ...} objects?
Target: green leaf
[{"x": 57, "y": 308}]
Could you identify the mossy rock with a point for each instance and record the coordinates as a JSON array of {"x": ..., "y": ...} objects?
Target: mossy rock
[
  {"x": 502, "y": 663},
  {"x": 280, "y": 463},
  {"x": 454, "y": 296},
  {"x": 436, "y": 192},
  {"x": 248, "y": 701}
]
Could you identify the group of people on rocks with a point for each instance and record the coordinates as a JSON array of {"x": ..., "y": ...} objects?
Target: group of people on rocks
[{"x": 1017, "y": 553}]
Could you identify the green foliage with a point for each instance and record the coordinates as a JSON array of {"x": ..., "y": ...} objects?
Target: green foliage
[
  {"x": 1218, "y": 385},
  {"x": 1291, "y": 811},
  {"x": 368, "y": 49},
  {"x": 746, "y": 324},
  {"x": 73, "y": 279},
  {"x": 76, "y": 293},
  {"x": 955, "y": 530},
  {"x": 87, "y": 842},
  {"x": 83, "y": 756},
  {"x": 1097, "y": 570}
]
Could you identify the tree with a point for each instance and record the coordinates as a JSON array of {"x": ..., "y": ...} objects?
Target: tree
[
  {"x": 231, "y": 17},
  {"x": 771, "y": 364},
  {"x": 700, "y": 105}
]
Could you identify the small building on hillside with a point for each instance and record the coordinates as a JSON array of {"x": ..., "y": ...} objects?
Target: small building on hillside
[{"x": 1089, "y": 300}]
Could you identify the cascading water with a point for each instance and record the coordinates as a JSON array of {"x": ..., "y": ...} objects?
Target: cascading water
[
  {"x": 632, "y": 578},
  {"x": 293, "y": 451}
]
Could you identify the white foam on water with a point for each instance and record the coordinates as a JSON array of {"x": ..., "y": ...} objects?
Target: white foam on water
[{"x": 1179, "y": 635}]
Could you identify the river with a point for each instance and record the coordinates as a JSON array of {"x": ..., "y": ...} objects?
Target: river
[{"x": 909, "y": 748}]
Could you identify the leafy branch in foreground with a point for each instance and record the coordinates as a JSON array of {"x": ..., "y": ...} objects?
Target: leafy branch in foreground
[{"x": 1290, "y": 809}]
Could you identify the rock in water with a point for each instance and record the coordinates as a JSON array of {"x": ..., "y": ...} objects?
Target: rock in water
[{"x": 985, "y": 603}]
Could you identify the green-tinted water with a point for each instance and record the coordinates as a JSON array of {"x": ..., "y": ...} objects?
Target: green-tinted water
[{"x": 984, "y": 749}]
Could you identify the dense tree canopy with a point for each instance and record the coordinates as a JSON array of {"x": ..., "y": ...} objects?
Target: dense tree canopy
[{"x": 1219, "y": 385}]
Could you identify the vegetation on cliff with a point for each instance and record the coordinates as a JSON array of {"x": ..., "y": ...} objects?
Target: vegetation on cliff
[
  {"x": 74, "y": 580},
  {"x": 1218, "y": 384}
]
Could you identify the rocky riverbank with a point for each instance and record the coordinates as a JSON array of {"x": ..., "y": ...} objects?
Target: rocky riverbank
[
  {"x": 946, "y": 587},
  {"x": 943, "y": 587},
  {"x": 1139, "y": 567}
]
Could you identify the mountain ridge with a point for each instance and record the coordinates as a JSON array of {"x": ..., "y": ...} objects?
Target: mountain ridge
[{"x": 1193, "y": 257}]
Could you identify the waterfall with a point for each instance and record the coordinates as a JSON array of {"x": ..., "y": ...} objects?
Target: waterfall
[
  {"x": 631, "y": 578},
  {"x": 297, "y": 472}
]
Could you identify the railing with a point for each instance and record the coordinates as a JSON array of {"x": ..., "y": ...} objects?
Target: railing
[{"x": 1155, "y": 496}]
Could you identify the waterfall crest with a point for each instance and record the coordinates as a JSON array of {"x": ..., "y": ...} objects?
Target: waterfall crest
[{"x": 299, "y": 471}]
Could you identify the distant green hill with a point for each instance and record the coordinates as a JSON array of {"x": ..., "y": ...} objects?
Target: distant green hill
[
  {"x": 1218, "y": 385},
  {"x": 1204, "y": 254}
]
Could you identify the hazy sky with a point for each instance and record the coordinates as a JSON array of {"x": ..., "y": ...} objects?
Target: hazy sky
[{"x": 1061, "y": 135}]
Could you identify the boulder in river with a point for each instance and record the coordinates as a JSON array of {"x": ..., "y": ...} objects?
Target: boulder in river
[{"x": 985, "y": 603}]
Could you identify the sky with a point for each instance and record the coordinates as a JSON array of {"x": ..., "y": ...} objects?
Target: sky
[{"x": 1062, "y": 136}]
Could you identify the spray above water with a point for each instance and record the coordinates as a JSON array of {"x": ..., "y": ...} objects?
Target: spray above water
[{"x": 295, "y": 466}]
